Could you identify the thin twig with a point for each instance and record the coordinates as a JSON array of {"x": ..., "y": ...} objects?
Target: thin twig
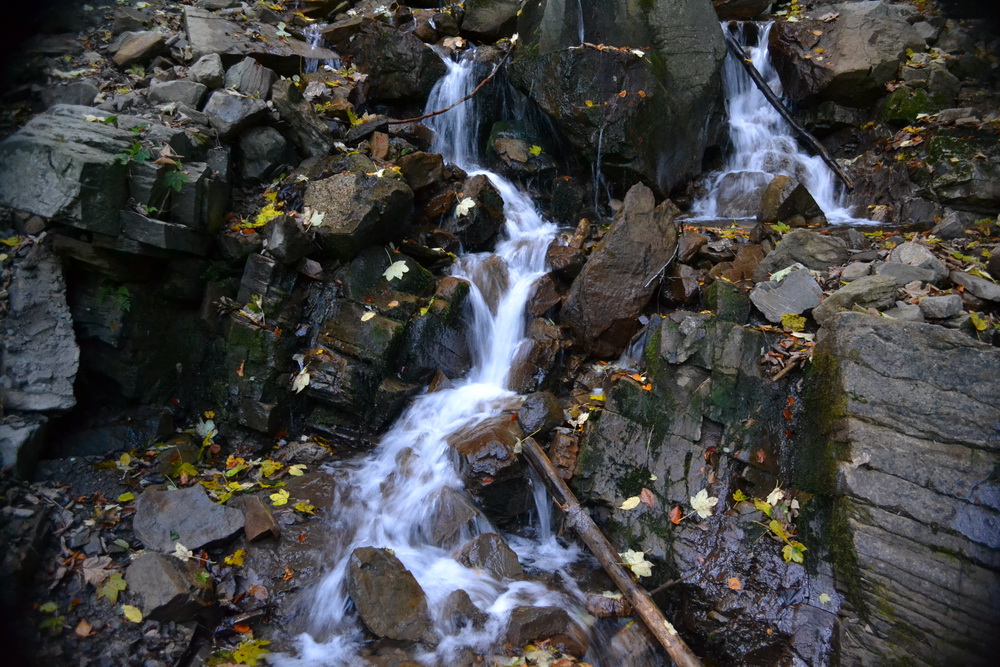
[{"x": 464, "y": 99}]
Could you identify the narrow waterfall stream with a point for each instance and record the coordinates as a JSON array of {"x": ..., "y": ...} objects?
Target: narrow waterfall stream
[
  {"x": 763, "y": 145},
  {"x": 388, "y": 498}
]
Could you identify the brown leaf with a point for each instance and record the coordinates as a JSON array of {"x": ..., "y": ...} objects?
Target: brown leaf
[
  {"x": 646, "y": 497},
  {"x": 95, "y": 570},
  {"x": 239, "y": 371},
  {"x": 735, "y": 584},
  {"x": 258, "y": 592},
  {"x": 84, "y": 629},
  {"x": 289, "y": 573},
  {"x": 790, "y": 402},
  {"x": 787, "y": 414},
  {"x": 623, "y": 93},
  {"x": 761, "y": 456},
  {"x": 675, "y": 515}
]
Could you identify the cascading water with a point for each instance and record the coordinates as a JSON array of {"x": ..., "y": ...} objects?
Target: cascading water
[
  {"x": 313, "y": 34},
  {"x": 387, "y": 499},
  {"x": 762, "y": 144}
]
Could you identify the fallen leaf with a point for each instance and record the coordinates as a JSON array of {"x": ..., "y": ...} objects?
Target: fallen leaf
[
  {"x": 242, "y": 628},
  {"x": 466, "y": 205},
  {"x": 301, "y": 379},
  {"x": 675, "y": 515},
  {"x": 776, "y": 495},
  {"x": 824, "y": 598},
  {"x": 239, "y": 371},
  {"x": 258, "y": 592},
  {"x": 280, "y": 498},
  {"x": 535, "y": 150},
  {"x": 297, "y": 470},
  {"x": 735, "y": 584},
  {"x": 84, "y": 629},
  {"x": 132, "y": 613},
  {"x": 236, "y": 558},
  {"x": 702, "y": 503},
  {"x": 761, "y": 456},
  {"x": 396, "y": 270},
  {"x": 367, "y": 316},
  {"x": 623, "y": 93},
  {"x": 126, "y": 497},
  {"x": 670, "y": 627},
  {"x": 95, "y": 570},
  {"x": 636, "y": 561},
  {"x": 630, "y": 503},
  {"x": 289, "y": 573},
  {"x": 646, "y": 497},
  {"x": 181, "y": 552},
  {"x": 112, "y": 587},
  {"x": 48, "y": 608}
]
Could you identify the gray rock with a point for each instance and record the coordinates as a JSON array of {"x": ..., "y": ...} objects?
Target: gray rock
[
  {"x": 906, "y": 312},
  {"x": 940, "y": 307},
  {"x": 165, "y": 516},
  {"x": 140, "y": 48},
  {"x": 210, "y": 33},
  {"x": 286, "y": 240},
  {"x": 263, "y": 151},
  {"x": 528, "y": 623},
  {"x": 784, "y": 198},
  {"x": 978, "y": 287},
  {"x": 797, "y": 293},
  {"x": 310, "y": 134},
  {"x": 540, "y": 413},
  {"x": 160, "y": 234},
  {"x": 208, "y": 70},
  {"x": 61, "y": 167},
  {"x": 479, "y": 227},
  {"x": 619, "y": 278},
  {"x": 918, "y": 255},
  {"x": 180, "y": 91},
  {"x": 490, "y": 19},
  {"x": 855, "y": 270},
  {"x": 916, "y": 428},
  {"x": 950, "y": 227},
  {"x": 251, "y": 78},
  {"x": 359, "y": 210},
  {"x": 389, "y": 600},
  {"x": 740, "y": 10},
  {"x": 812, "y": 250},
  {"x": 231, "y": 114},
  {"x": 39, "y": 356},
  {"x": 80, "y": 93},
  {"x": 489, "y": 552},
  {"x": 862, "y": 52},
  {"x": 458, "y": 610},
  {"x": 904, "y": 274},
  {"x": 168, "y": 589},
  {"x": 22, "y": 439},
  {"x": 877, "y": 292}
]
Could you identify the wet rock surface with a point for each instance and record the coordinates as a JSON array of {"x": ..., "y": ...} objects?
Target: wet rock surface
[
  {"x": 165, "y": 516},
  {"x": 388, "y": 598}
]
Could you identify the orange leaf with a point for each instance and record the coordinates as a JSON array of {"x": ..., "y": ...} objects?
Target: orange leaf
[
  {"x": 623, "y": 93},
  {"x": 787, "y": 414},
  {"x": 642, "y": 94},
  {"x": 648, "y": 386},
  {"x": 675, "y": 515},
  {"x": 302, "y": 538},
  {"x": 84, "y": 629},
  {"x": 289, "y": 573},
  {"x": 790, "y": 402},
  {"x": 761, "y": 456},
  {"x": 239, "y": 371},
  {"x": 242, "y": 628},
  {"x": 487, "y": 480},
  {"x": 637, "y": 377},
  {"x": 646, "y": 498},
  {"x": 735, "y": 584}
]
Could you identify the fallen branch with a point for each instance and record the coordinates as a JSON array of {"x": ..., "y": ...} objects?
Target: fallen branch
[
  {"x": 579, "y": 520},
  {"x": 761, "y": 84},
  {"x": 464, "y": 99}
]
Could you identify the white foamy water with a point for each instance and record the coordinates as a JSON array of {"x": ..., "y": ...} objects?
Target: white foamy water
[
  {"x": 763, "y": 145},
  {"x": 314, "y": 37},
  {"x": 388, "y": 499}
]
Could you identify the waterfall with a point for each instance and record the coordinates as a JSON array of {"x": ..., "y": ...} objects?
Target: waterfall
[
  {"x": 763, "y": 145},
  {"x": 313, "y": 34},
  {"x": 382, "y": 503}
]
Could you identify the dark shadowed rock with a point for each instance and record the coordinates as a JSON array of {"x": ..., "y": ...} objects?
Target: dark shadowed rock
[
  {"x": 528, "y": 623},
  {"x": 165, "y": 516},
  {"x": 231, "y": 114},
  {"x": 251, "y": 78},
  {"x": 258, "y": 520},
  {"x": 421, "y": 170},
  {"x": 862, "y": 52},
  {"x": 39, "y": 356},
  {"x": 489, "y": 20},
  {"x": 784, "y": 199},
  {"x": 310, "y": 134},
  {"x": 208, "y": 70},
  {"x": 360, "y": 211},
  {"x": 286, "y": 240},
  {"x": 489, "y": 552},
  {"x": 619, "y": 278},
  {"x": 388, "y": 598},
  {"x": 796, "y": 293},
  {"x": 478, "y": 226},
  {"x": 168, "y": 588},
  {"x": 489, "y": 467},
  {"x": 740, "y": 10},
  {"x": 264, "y": 150},
  {"x": 812, "y": 250},
  {"x": 22, "y": 440},
  {"x": 188, "y": 93},
  {"x": 459, "y": 610},
  {"x": 540, "y": 413}
]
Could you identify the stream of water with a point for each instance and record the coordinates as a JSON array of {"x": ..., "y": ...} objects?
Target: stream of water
[
  {"x": 763, "y": 144},
  {"x": 387, "y": 498}
]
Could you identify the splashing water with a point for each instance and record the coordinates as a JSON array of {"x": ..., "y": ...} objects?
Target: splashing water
[
  {"x": 763, "y": 145},
  {"x": 314, "y": 37},
  {"x": 389, "y": 498}
]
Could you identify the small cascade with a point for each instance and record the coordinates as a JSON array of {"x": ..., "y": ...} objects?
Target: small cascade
[
  {"x": 763, "y": 145},
  {"x": 313, "y": 34},
  {"x": 387, "y": 499}
]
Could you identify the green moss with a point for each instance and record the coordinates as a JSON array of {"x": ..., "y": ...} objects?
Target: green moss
[
  {"x": 632, "y": 482},
  {"x": 904, "y": 104},
  {"x": 840, "y": 543},
  {"x": 816, "y": 459}
]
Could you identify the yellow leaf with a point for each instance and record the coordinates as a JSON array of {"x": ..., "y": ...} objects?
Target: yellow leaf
[
  {"x": 296, "y": 470},
  {"x": 367, "y": 316},
  {"x": 132, "y": 613},
  {"x": 279, "y": 498},
  {"x": 824, "y": 598},
  {"x": 236, "y": 558},
  {"x": 535, "y": 150},
  {"x": 630, "y": 503},
  {"x": 305, "y": 507},
  {"x": 126, "y": 497}
]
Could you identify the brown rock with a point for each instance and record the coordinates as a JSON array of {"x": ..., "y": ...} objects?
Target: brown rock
[
  {"x": 258, "y": 520},
  {"x": 141, "y": 48},
  {"x": 388, "y": 598},
  {"x": 489, "y": 552}
]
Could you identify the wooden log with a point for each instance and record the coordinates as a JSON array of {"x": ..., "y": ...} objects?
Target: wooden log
[
  {"x": 579, "y": 520},
  {"x": 806, "y": 137}
]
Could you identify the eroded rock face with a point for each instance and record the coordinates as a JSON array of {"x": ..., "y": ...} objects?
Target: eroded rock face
[
  {"x": 862, "y": 51},
  {"x": 906, "y": 459},
  {"x": 489, "y": 467},
  {"x": 657, "y": 137},
  {"x": 168, "y": 588},
  {"x": 164, "y": 517},
  {"x": 489, "y": 552},
  {"x": 388, "y": 597},
  {"x": 812, "y": 250},
  {"x": 618, "y": 279}
]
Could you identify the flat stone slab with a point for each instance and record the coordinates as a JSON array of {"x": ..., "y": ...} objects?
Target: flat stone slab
[{"x": 165, "y": 516}]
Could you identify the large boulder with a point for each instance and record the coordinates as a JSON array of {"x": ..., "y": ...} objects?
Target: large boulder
[
  {"x": 490, "y": 469},
  {"x": 643, "y": 111},
  {"x": 387, "y": 596},
  {"x": 169, "y": 589},
  {"x": 399, "y": 66},
  {"x": 39, "y": 356},
  {"x": 861, "y": 52},
  {"x": 812, "y": 250},
  {"x": 63, "y": 167},
  {"x": 902, "y": 448},
  {"x": 490, "y": 19},
  {"x": 165, "y": 516},
  {"x": 359, "y": 211},
  {"x": 620, "y": 277},
  {"x": 740, "y": 10}
]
